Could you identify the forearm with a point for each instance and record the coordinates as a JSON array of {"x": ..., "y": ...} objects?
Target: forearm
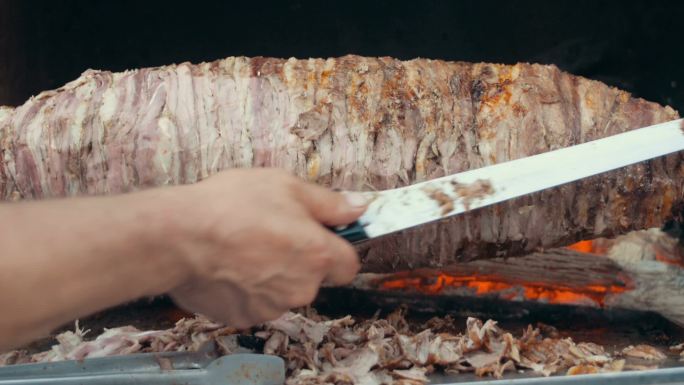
[{"x": 69, "y": 258}]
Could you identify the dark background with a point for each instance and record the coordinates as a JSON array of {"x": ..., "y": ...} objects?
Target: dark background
[{"x": 635, "y": 45}]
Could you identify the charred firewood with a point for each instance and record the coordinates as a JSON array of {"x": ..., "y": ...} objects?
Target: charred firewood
[{"x": 641, "y": 271}]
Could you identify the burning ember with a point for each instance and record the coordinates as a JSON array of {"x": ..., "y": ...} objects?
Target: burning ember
[
  {"x": 590, "y": 247},
  {"x": 662, "y": 253},
  {"x": 620, "y": 273},
  {"x": 578, "y": 274},
  {"x": 481, "y": 285}
]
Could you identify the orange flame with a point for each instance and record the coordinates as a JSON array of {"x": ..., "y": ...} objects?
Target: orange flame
[
  {"x": 432, "y": 282},
  {"x": 490, "y": 284},
  {"x": 590, "y": 247},
  {"x": 601, "y": 248}
]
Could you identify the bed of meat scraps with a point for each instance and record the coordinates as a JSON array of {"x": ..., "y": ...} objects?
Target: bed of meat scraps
[{"x": 373, "y": 351}]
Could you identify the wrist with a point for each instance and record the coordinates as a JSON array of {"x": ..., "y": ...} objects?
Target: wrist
[{"x": 165, "y": 236}]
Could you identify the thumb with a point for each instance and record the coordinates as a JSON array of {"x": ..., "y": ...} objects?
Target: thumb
[{"x": 329, "y": 207}]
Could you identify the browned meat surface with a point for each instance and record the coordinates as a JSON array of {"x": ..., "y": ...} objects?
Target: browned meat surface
[
  {"x": 351, "y": 123},
  {"x": 645, "y": 352}
]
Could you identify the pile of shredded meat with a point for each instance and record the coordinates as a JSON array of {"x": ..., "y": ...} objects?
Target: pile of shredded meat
[
  {"x": 186, "y": 335},
  {"x": 374, "y": 351}
]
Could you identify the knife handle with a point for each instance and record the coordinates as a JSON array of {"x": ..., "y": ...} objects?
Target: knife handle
[{"x": 353, "y": 232}]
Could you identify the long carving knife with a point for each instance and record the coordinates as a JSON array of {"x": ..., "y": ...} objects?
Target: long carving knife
[{"x": 403, "y": 208}]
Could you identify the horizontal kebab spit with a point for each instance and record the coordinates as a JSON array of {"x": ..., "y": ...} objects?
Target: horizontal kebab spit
[{"x": 353, "y": 123}]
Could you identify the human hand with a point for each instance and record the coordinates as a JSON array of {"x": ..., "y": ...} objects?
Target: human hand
[{"x": 257, "y": 246}]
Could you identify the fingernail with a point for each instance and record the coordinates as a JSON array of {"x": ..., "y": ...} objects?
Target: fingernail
[{"x": 356, "y": 199}]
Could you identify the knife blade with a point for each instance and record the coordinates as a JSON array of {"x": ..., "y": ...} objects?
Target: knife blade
[{"x": 402, "y": 208}]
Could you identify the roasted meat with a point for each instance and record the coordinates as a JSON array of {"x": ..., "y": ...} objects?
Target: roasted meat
[
  {"x": 390, "y": 350},
  {"x": 318, "y": 350},
  {"x": 353, "y": 123}
]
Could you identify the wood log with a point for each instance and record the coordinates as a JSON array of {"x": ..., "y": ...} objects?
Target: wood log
[
  {"x": 641, "y": 271},
  {"x": 352, "y": 123},
  {"x": 558, "y": 276}
]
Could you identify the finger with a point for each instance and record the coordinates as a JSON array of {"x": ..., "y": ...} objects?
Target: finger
[
  {"x": 345, "y": 262},
  {"x": 264, "y": 308},
  {"x": 305, "y": 295},
  {"x": 328, "y": 257},
  {"x": 203, "y": 297},
  {"x": 329, "y": 207}
]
